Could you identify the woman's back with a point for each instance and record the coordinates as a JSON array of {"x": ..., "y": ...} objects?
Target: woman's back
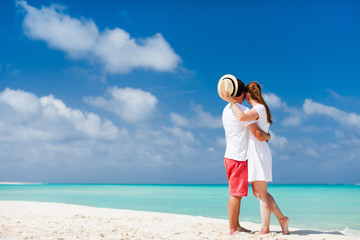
[
  {"x": 259, "y": 154},
  {"x": 262, "y": 120}
]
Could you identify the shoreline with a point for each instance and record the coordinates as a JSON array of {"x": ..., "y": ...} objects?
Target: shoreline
[
  {"x": 21, "y": 183},
  {"x": 42, "y": 220},
  {"x": 174, "y": 184}
]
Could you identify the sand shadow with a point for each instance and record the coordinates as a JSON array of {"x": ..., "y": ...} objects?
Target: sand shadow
[{"x": 308, "y": 232}]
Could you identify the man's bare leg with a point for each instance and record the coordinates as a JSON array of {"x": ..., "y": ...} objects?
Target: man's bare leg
[
  {"x": 234, "y": 212},
  {"x": 283, "y": 221}
]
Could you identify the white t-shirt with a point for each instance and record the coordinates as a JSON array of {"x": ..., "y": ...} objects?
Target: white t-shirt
[{"x": 236, "y": 133}]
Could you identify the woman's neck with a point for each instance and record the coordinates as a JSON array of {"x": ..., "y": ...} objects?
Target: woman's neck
[{"x": 253, "y": 102}]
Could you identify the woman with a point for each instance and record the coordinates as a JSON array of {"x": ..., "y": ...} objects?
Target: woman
[{"x": 259, "y": 156}]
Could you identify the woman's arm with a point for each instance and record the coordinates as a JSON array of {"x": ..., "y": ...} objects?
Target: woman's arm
[{"x": 247, "y": 116}]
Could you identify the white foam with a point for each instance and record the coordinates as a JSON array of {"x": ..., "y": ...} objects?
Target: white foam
[
  {"x": 350, "y": 232},
  {"x": 18, "y": 183}
]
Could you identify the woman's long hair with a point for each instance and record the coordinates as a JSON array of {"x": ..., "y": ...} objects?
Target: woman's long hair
[{"x": 254, "y": 90}]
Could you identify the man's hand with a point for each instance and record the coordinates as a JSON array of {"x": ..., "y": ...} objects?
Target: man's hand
[
  {"x": 269, "y": 136},
  {"x": 226, "y": 96}
]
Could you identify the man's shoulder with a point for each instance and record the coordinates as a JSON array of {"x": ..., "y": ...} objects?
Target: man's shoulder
[
  {"x": 226, "y": 107},
  {"x": 242, "y": 107}
]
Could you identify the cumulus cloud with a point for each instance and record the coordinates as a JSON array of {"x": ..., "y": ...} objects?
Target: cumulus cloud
[
  {"x": 199, "y": 118},
  {"x": 47, "y": 135},
  {"x": 183, "y": 136},
  {"x": 294, "y": 115},
  {"x": 45, "y": 139},
  {"x": 273, "y": 101},
  {"x": 314, "y": 108},
  {"x": 179, "y": 120},
  {"x": 277, "y": 141},
  {"x": 20, "y": 101},
  {"x": 114, "y": 49},
  {"x": 28, "y": 117},
  {"x": 127, "y": 103}
]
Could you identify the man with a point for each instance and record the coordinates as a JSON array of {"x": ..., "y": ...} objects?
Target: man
[{"x": 237, "y": 134}]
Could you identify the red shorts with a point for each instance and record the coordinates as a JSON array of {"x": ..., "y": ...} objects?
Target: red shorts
[{"x": 237, "y": 174}]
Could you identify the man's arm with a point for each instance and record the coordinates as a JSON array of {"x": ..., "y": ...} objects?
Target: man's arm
[
  {"x": 258, "y": 133},
  {"x": 248, "y": 115}
]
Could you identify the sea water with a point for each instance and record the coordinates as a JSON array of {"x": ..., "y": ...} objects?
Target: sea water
[{"x": 311, "y": 207}]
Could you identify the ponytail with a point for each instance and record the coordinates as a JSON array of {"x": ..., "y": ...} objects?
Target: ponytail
[{"x": 254, "y": 90}]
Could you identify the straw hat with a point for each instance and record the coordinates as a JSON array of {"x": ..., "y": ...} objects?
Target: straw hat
[{"x": 228, "y": 83}]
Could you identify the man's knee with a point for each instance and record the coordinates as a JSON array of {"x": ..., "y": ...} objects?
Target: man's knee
[{"x": 236, "y": 197}]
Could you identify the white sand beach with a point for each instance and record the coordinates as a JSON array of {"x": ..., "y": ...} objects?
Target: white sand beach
[{"x": 35, "y": 220}]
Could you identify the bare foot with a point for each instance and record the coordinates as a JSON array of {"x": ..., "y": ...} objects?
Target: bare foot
[
  {"x": 232, "y": 232},
  {"x": 263, "y": 231},
  {"x": 239, "y": 229},
  {"x": 285, "y": 225}
]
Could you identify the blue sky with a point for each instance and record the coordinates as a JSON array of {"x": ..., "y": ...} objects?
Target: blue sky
[{"x": 125, "y": 91}]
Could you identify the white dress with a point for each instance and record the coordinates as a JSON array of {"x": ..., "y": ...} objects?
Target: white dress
[{"x": 259, "y": 154}]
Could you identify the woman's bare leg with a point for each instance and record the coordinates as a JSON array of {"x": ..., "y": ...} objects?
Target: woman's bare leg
[
  {"x": 260, "y": 192},
  {"x": 283, "y": 221}
]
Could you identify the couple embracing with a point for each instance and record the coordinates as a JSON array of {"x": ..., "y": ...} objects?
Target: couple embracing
[{"x": 247, "y": 156}]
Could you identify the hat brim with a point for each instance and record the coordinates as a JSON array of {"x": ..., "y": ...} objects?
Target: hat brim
[{"x": 228, "y": 83}]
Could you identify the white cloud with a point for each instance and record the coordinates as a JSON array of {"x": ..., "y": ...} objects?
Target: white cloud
[
  {"x": 273, "y": 101},
  {"x": 277, "y": 141},
  {"x": 183, "y": 136},
  {"x": 119, "y": 52},
  {"x": 294, "y": 118},
  {"x": 75, "y": 37},
  {"x": 311, "y": 152},
  {"x": 43, "y": 136},
  {"x": 200, "y": 118},
  {"x": 179, "y": 120},
  {"x": 43, "y": 130},
  {"x": 20, "y": 101},
  {"x": 313, "y": 108},
  {"x": 205, "y": 119},
  {"x": 88, "y": 123},
  {"x": 29, "y": 117},
  {"x": 114, "y": 49},
  {"x": 127, "y": 103},
  {"x": 294, "y": 115}
]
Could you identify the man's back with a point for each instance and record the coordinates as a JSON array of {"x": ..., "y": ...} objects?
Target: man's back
[{"x": 236, "y": 133}]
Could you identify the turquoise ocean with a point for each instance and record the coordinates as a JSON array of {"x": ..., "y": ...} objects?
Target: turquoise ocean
[{"x": 311, "y": 207}]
